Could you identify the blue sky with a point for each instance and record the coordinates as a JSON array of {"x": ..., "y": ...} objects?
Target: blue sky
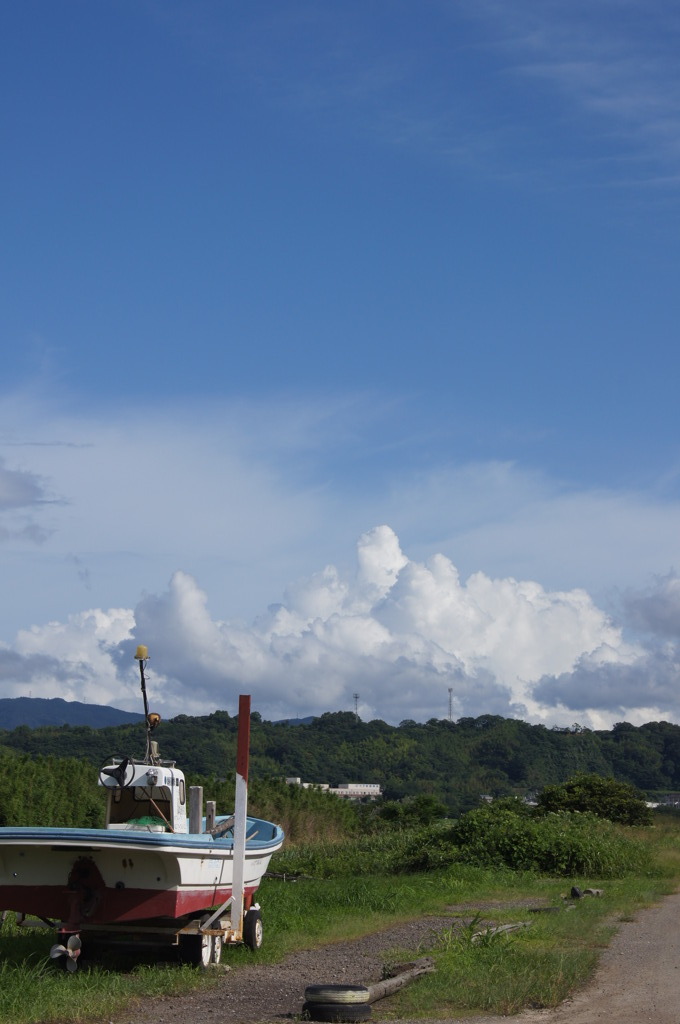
[{"x": 285, "y": 278}]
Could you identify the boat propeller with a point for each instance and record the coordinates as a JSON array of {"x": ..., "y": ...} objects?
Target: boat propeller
[{"x": 71, "y": 951}]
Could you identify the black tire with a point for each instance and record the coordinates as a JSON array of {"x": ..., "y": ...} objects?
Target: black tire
[
  {"x": 252, "y": 929},
  {"x": 342, "y": 994},
  {"x": 196, "y": 950},
  {"x": 337, "y": 1011}
]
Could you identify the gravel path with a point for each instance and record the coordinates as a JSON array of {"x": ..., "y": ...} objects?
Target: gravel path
[
  {"x": 275, "y": 991},
  {"x": 638, "y": 979}
]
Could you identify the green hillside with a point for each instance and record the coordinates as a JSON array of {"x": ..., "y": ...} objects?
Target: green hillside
[{"x": 456, "y": 762}]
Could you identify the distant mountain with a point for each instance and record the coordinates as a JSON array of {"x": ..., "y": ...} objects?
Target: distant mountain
[
  {"x": 37, "y": 711},
  {"x": 295, "y": 721}
]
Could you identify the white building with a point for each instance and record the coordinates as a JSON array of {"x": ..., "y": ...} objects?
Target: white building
[
  {"x": 347, "y": 790},
  {"x": 296, "y": 781},
  {"x": 357, "y": 790}
]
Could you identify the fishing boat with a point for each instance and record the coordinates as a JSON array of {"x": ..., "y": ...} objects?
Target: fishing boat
[{"x": 158, "y": 873}]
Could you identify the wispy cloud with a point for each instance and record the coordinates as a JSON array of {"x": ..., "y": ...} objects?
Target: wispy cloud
[
  {"x": 656, "y": 608},
  {"x": 247, "y": 496},
  {"x": 615, "y": 64},
  {"x": 19, "y": 488},
  {"x": 22, "y": 493},
  {"x": 534, "y": 89}
]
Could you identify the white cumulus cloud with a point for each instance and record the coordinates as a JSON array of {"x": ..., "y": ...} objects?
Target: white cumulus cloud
[{"x": 398, "y": 632}]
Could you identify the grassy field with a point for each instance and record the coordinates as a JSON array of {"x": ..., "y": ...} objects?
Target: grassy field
[{"x": 536, "y": 966}]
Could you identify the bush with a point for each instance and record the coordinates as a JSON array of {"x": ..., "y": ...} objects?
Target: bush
[
  {"x": 561, "y": 843},
  {"x": 411, "y": 812},
  {"x": 606, "y": 798}
]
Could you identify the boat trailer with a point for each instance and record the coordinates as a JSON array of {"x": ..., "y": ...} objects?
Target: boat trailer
[{"x": 199, "y": 942}]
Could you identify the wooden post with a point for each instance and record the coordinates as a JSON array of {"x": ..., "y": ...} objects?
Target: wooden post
[
  {"x": 240, "y": 813},
  {"x": 385, "y": 988},
  {"x": 210, "y": 814},
  {"x": 195, "y": 810}
]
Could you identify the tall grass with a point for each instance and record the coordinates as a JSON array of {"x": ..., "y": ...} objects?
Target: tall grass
[
  {"x": 500, "y": 977},
  {"x": 535, "y": 967},
  {"x": 541, "y": 965},
  {"x": 34, "y": 991},
  {"x": 566, "y": 844}
]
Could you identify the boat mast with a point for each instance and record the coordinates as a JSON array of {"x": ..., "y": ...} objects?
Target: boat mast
[{"x": 151, "y": 721}]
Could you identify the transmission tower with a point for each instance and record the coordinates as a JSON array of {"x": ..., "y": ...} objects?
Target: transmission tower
[
  {"x": 450, "y": 703},
  {"x": 356, "y": 705}
]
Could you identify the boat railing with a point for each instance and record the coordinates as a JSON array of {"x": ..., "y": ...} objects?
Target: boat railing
[{"x": 141, "y": 760}]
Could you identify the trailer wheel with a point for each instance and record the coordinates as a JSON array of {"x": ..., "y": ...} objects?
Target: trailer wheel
[
  {"x": 216, "y": 949},
  {"x": 196, "y": 950},
  {"x": 333, "y": 1012},
  {"x": 252, "y": 929}
]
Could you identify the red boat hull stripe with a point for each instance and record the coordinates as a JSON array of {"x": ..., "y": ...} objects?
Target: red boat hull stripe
[{"x": 114, "y": 905}]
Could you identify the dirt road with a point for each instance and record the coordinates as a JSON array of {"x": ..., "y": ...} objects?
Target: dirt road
[{"x": 638, "y": 980}]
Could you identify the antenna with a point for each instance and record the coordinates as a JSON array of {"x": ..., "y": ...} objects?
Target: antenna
[
  {"x": 150, "y": 720},
  {"x": 355, "y": 697},
  {"x": 450, "y": 703}
]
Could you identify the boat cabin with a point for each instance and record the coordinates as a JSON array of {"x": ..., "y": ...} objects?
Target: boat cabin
[{"x": 144, "y": 797}]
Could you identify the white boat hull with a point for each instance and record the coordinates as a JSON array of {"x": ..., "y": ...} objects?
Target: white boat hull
[{"x": 81, "y": 877}]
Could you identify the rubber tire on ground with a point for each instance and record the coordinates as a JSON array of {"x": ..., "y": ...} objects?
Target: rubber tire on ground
[
  {"x": 252, "y": 929},
  {"x": 196, "y": 950},
  {"x": 343, "y": 994},
  {"x": 337, "y": 1011}
]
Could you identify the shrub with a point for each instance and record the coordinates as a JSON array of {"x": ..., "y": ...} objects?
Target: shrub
[
  {"x": 606, "y": 798},
  {"x": 411, "y": 812},
  {"x": 564, "y": 844},
  {"x": 557, "y": 843}
]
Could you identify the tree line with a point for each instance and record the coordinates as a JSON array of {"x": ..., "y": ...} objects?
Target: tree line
[{"x": 455, "y": 762}]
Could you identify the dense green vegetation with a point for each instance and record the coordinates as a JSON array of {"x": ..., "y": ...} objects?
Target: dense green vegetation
[
  {"x": 362, "y": 866},
  {"x": 605, "y": 798},
  {"x": 49, "y": 791},
  {"x": 536, "y": 966},
  {"x": 506, "y": 834},
  {"x": 453, "y": 762},
  {"x": 63, "y": 792},
  {"x": 565, "y": 843}
]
